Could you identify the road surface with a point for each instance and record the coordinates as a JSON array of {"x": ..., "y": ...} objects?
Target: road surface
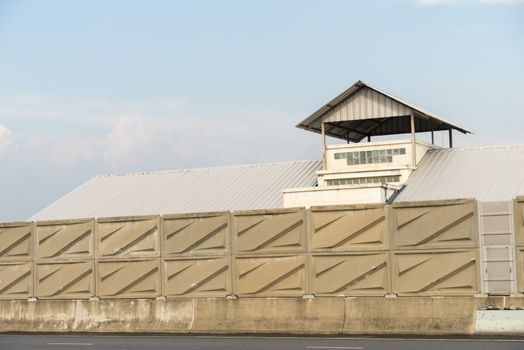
[{"x": 164, "y": 342}]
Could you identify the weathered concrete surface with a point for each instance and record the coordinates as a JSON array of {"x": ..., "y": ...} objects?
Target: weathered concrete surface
[
  {"x": 410, "y": 315},
  {"x": 269, "y": 315},
  {"x": 96, "y": 316},
  {"x": 365, "y": 315},
  {"x": 419, "y": 315}
]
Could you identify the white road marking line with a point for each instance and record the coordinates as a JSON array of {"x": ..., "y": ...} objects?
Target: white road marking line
[
  {"x": 71, "y": 344},
  {"x": 429, "y": 339},
  {"x": 335, "y": 347},
  {"x": 472, "y": 339}
]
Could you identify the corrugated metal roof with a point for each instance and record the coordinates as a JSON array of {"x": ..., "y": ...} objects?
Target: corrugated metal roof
[
  {"x": 363, "y": 110},
  {"x": 485, "y": 173},
  {"x": 193, "y": 190}
]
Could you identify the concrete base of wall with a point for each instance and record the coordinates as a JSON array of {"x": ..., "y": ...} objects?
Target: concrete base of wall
[{"x": 366, "y": 315}]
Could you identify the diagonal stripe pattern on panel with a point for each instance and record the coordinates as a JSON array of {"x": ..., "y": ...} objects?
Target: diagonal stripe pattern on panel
[
  {"x": 203, "y": 235},
  {"x": 16, "y": 241},
  {"x": 73, "y": 279},
  {"x": 15, "y": 280},
  {"x": 65, "y": 240},
  {"x": 356, "y": 274},
  {"x": 439, "y": 272},
  {"x": 204, "y": 277},
  {"x": 270, "y": 232},
  {"x": 135, "y": 237},
  {"x": 271, "y": 276},
  {"x": 351, "y": 229},
  {"x": 436, "y": 226}
]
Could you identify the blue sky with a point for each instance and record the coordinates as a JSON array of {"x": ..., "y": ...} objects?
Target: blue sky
[{"x": 94, "y": 87}]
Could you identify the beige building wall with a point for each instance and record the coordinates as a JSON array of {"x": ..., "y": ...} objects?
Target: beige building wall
[
  {"x": 399, "y": 161},
  {"x": 346, "y": 180}
]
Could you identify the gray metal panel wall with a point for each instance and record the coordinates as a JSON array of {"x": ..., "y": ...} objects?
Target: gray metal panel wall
[{"x": 497, "y": 247}]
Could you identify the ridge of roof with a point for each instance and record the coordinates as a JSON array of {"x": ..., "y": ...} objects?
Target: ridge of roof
[{"x": 233, "y": 166}]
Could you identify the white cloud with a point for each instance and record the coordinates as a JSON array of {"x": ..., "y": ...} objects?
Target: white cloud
[
  {"x": 451, "y": 2},
  {"x": 136, "y": 139},
  {"x": 67, "y": 152},
  {"x": 195, "y": 141},
  {"x": 94, "y": 111},
  {"x": 130, "y": 138},
  {"x": 6, "y": 139},
  {"x": 170, "y": 133},
  {"x": 63, "y": 151}
]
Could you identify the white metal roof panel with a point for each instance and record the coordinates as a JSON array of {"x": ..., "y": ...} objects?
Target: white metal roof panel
[
  {"x": 485, "y": 173},
  {"x": 257, "y": 186}
]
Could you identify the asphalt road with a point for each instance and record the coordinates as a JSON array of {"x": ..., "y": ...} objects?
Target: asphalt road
[{"x": 99, "y": 342}]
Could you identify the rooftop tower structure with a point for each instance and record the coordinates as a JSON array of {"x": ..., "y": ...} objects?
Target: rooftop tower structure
[{"x": 369, "y": 172}]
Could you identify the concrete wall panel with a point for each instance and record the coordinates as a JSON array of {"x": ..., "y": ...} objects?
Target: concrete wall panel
[
  {"x": 65, "y": 280},
  {"x": 65, "y": 239},
  {"x": 16, "y": 241},
  {"x": 128, "y": 237},
  {"x": 355, "y": 274},
  {"x": 435, "y": 224},
  {"x": 193, "y": 234},
  {"x": 270, "y": 276},
  {"x": 439, "y": 272},
  {"x": 269, "y": 231},
  {"x": 128, "y": 279},
  {"x": 198, "y": 277},
  {"x": 347, "y": 228},
  {"x": 16, "y": 280}
]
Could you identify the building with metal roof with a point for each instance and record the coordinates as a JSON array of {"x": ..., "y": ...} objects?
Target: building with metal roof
[
  {"x": 493, "y": 173},
  {"x": 257, "y": 186},
  {"x": 368, "y": 172},
  {"x": 349, "y": 173}
]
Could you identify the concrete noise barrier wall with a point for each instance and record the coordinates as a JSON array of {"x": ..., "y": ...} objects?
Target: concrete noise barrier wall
[
  {"x": 269, "y": 249},
  {"x": 408, "y": 249},
  {"x": 197, "y": 255},
  {"x": 349, "y": 250},
  {"x": 435, "y": 248},
  {"x": 16, "y": 241},
  {"x": 68, "y": 239},
  {"x": 16, "y": 256}
]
